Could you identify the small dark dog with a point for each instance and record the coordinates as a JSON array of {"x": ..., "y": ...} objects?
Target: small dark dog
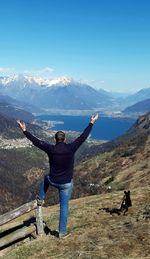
[{"x": 125, "y": 204}]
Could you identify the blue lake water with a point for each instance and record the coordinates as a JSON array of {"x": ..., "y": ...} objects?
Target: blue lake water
[{"x": 105, "y": 128}]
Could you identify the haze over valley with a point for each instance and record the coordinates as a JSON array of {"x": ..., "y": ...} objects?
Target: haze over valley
[{"x": 67, "y": 96}]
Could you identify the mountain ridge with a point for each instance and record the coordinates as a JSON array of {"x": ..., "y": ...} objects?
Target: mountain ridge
[
  {"x": 65, "y": 93},
  {"x": 56, "y": 94},
  {"x": 141, "y": 107}
]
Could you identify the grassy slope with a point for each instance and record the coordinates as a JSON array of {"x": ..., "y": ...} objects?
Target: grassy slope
[
  {"x": 121, "y": 169},
  {"x": 94, "y": 233}
]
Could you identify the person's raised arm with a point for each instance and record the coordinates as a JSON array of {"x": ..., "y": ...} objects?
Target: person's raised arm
[
  {"x": 36, "y": 142},
  {"x": 94, "y": 118},
  {"x": 78, "y": 142},
  {"x": 22, "y": 125}
]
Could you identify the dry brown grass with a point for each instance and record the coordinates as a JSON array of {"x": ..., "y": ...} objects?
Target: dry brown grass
[{"x": 94, "y": 233}]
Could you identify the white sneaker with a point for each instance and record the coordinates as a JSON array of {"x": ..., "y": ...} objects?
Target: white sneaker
[{"x": 64, "y": 235}]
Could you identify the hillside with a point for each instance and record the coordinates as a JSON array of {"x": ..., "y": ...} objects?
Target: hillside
[
  {"x": 94, "y": 234},
  {"x": 139, "y": 96},
  {"x": 121, "y": 164},
  {"x": 8, "y": 123},
  {"x": 15, "y": 112},
  {"x": 21, "y": 105},
  {"x": 140, "y": 107}
]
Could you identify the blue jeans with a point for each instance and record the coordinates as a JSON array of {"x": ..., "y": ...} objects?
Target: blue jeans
[{"x": 65, "y": 191}]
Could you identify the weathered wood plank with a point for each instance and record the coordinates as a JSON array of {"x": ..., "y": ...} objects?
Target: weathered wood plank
[
  {"x": 39, "y": 220},
  {"x": 17, "y": 212},
  {"x": 16, "y": 235}
]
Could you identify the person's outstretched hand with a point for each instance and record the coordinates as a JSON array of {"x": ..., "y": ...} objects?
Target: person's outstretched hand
[
  {"x": 94, "y": 118},
  {"x": 22, "y": 125}
]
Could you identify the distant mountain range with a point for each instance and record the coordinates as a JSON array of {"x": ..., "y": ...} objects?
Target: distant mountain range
[
  {"x": 141, "y": 95},
  {"x": 38, "y": 94},
  {"x": 141, "y": 107},
  {"x": 62, "y": 93}
]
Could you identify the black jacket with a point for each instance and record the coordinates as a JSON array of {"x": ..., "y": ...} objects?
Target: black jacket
[{"x": 61, "y": 155}]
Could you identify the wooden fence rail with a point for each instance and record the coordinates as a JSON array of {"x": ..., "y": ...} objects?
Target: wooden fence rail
[
  {"x": 25, "y": 230},
  {"x": 5, "y": 218},
  {"x": 16, "y": 235}
]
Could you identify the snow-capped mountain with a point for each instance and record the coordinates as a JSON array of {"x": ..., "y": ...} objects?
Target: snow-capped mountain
[
  {"x": 20, "y": 81},
  {"x": 39, "y": 81},
  {"x": 58, "y": 93}
]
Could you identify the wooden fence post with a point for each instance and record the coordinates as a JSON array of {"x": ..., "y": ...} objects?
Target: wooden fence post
[{"x": 39, "y": 220}]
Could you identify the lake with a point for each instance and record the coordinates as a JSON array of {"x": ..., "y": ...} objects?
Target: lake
[{"x": 106, "y": 128}]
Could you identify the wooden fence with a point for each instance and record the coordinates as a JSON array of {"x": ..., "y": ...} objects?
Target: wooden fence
[{"x": 31, "y": 229}]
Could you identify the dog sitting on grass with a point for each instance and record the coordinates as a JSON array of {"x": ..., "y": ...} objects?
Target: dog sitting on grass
[{"x": 125, "y": 204}]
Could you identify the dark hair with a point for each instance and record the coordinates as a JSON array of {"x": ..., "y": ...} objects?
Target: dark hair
[{"x": 60, "y": 136}]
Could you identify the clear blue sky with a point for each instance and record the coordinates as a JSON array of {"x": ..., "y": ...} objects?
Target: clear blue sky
[{"x": 105, "y": 43}]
